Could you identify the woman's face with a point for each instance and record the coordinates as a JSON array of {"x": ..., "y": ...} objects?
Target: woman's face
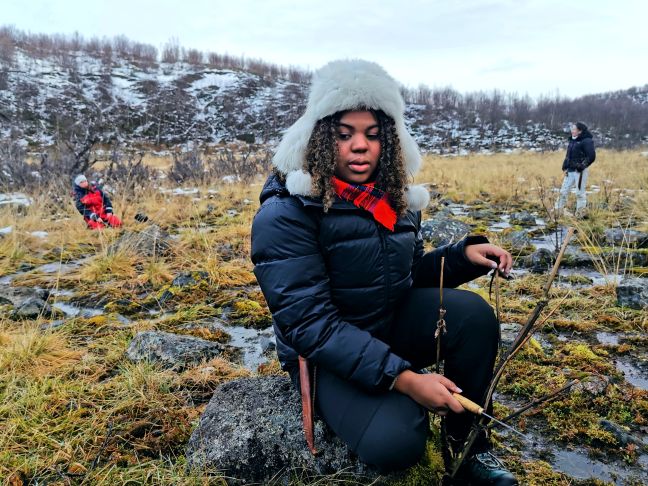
[
  {"x": 358, "y": 143},
  {"x": 575, "y": 131},
  {"x": 83, "y": 184}
]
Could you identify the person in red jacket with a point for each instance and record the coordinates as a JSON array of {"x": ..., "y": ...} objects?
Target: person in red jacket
[{"x": 94, "y": 205}]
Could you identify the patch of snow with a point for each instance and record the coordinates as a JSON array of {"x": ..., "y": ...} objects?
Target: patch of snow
[
  {"x": 17, "y": 198},
  {"x": 219, "y": 80},
  {"x": 6, "y": 230},
  {"x": 180, "y": 191},
  {"x": 39, "y": 234}
]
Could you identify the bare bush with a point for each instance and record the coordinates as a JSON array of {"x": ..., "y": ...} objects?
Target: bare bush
[
  {"x": 171, "y": 51},
  {"x": 7, "y": 45},
  {"x": 15, "y": 173},
  {"x": 241, "y": 165},
  {"x": 189, "y": 167},
  {"x": 128, "y": 172},
  {"x": 193, "y": 56}
]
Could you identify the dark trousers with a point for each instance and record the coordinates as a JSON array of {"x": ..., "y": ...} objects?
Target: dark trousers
[{"x": 389, "y": 430}]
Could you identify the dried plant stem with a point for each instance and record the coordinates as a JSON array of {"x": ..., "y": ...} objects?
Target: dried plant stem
[
  {"x": 522, "y": 337},
  {"x": 537, "y": 401}
]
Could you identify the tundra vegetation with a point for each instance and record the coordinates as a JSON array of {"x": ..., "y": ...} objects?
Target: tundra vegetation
[{"x": 75, "y": 410}]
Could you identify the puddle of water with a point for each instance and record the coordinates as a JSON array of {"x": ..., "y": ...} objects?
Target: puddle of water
[
  {"x": 497, "y": 227},
  {"x": 500, "y": 225},
  {"x": 74, "y": 311},
  {"x": 249, "y": 342},
  {"x": 580, "y": 466},
  {"x": 61, "y": 292},
  {"x": 633, "y": 374},
  {"x": 458, "y": 209},
  {"x": 597, "y": 278},
  {"x": 57, "y": 267},
  {"x": 607, "y": 338}
]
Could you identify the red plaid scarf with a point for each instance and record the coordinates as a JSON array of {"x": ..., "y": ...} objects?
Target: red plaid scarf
[{"x": 368, "y": 197}]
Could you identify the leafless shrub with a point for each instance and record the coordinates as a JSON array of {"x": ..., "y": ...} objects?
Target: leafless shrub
[
  {"x": 241, "y": 165},
  {"x": 127, "y": 172},
  {"x": 171, "y": 51},
  {"x": 193, "y": 56},
  {"x": 244, "y": 165},
  {"x": 7, "y": 45},
  {"x": 189, "y": 167},
  {"x": 15, "y": 173}
]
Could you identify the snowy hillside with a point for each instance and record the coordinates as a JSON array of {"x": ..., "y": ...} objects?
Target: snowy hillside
[{"x": 63, "y": 95}]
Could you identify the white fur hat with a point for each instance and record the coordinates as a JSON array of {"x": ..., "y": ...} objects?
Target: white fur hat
[
  {"x": 339, "y": 86},
  {"x": 79, "y": 179}
]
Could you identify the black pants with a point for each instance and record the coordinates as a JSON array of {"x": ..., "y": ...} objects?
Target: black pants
[{"x": 389, "y": 430}]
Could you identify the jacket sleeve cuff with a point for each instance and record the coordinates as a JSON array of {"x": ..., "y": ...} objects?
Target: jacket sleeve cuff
[
  {"x": 394, "y": 367},
  {"x": 473, "y": 271}
]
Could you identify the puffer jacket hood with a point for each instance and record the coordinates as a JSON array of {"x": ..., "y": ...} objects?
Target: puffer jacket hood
[
  {"x": 582, "y": 136},
  {"x": 580, "y": 152},
  {"x": 339, "y": 86}
]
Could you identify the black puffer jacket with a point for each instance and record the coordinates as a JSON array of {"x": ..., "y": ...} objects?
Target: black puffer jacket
[
  {"x": 333, "y": 281},
  {"x": 580, "y": 153}
]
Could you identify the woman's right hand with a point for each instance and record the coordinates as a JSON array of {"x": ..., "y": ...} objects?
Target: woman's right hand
[{"x": 433, "y": 391}]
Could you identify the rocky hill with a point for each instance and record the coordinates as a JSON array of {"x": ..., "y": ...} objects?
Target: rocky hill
[{"x": 57, "y": 88}]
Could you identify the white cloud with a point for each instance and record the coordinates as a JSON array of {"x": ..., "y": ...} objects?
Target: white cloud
[{"x": 525, "y": 45}]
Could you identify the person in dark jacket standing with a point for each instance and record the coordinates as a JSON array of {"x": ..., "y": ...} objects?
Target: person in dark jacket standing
[
  {"x": 94, "y": 205},
  {"x": 580, "y": 155},
  {"x": 339, "y": 257}
]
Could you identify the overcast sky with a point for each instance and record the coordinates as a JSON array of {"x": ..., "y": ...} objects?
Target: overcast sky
[{"x": 525, "y": 46}]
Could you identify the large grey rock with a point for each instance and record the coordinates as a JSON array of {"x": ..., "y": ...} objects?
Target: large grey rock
[
  {"x": 171, "y": 350},
  {"x": 517, "y": 239},
  {"x": 482, "y": 214},
  {"x": 622, "y": 435},
  {"x": 593, "y": 385},
  {"x": 633, "y": 293},
  {"x": 149, "y": 242},
  {"x": 443, "y": 229},
  {"x": 16, "y": 296},
  {"x": 523, "y": 218},
  {"x": 575, "y": 257},
  {"x": 508, "y": 332},
  {"x": 626, "y": 237},
  {"x": 187, "y": 279},
  {"x": 32, "y": 308},
  {"x": 252, "y": 430},
  {"x": 540, "y": 261}
]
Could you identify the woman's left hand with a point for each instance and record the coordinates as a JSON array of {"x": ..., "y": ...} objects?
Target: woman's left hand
[{"x": 477, "y": 255}]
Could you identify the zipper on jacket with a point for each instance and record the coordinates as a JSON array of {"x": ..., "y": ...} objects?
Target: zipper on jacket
[{"x": 383, "y": 245}]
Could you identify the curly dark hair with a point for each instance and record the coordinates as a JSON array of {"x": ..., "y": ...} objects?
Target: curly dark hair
[{"x": 321, "y": 155}]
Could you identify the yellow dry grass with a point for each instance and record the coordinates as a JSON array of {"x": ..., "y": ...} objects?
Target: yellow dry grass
[
  {"x": 514, "y": 175},
  {"x": 67, "y": 391}
]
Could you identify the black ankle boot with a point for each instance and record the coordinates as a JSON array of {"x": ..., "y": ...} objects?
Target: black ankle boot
[{"x": 485, "y": 469}]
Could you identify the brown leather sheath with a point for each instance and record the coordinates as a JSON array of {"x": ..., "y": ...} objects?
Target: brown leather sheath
[{"x": 307, "y": 404}]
